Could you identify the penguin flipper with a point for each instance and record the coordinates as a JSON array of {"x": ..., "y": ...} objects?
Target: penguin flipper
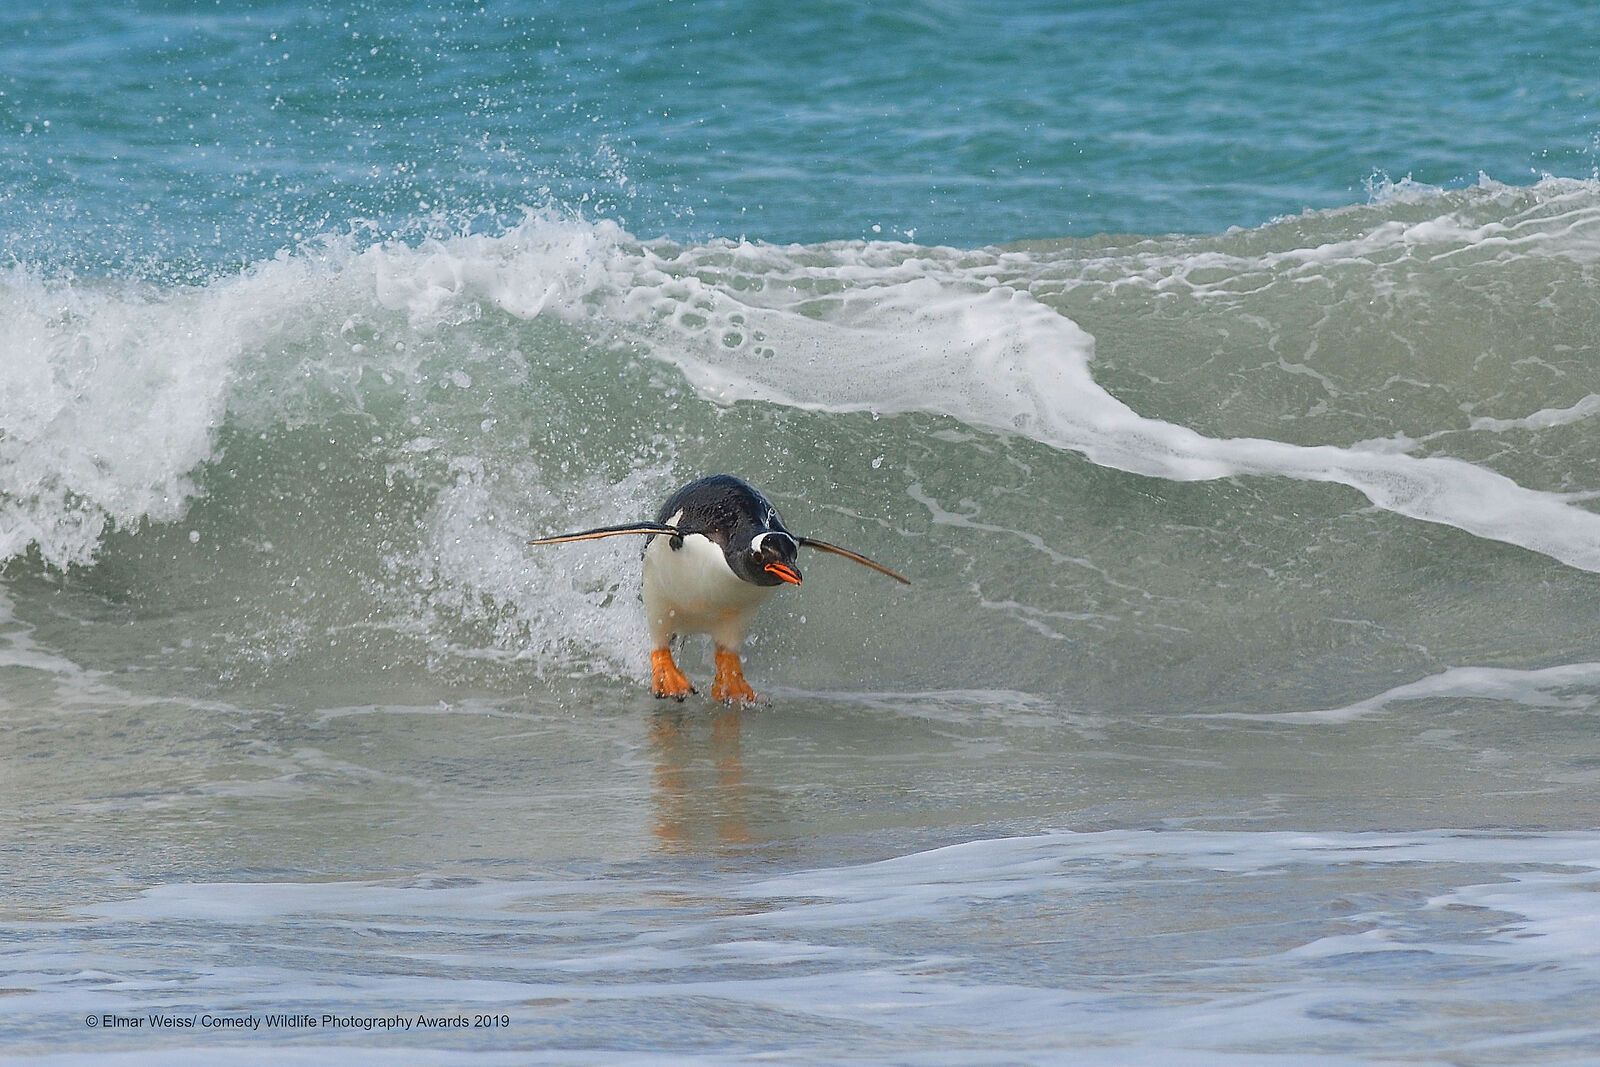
[
  {"x": 811, "y": 542},
  {"x": 610, "y": 531}
]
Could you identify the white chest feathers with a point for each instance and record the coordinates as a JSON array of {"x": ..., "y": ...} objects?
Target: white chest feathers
[{"x": 691, "y": 589}]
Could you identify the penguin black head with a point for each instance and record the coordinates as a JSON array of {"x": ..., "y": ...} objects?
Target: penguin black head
[
  {"x": 733, "y": 514},
  {"x": 764, "y": 556}
]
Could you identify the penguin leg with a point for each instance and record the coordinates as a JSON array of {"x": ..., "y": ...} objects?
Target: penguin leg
[
  {"x": 729, "y": 685},
  {"x": 666, "y": 680}
]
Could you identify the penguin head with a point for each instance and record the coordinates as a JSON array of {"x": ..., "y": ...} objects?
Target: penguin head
[{"x": 765, "y": 556}]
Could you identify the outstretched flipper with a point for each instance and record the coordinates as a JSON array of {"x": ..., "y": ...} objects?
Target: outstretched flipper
[
  {"x": 611, "y": 531},
  {"x": 811, "y": 542}
]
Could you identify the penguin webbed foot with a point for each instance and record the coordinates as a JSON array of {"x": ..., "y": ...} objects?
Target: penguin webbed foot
[
  {"x": 737, "y": 693},
  {"x": 666, "y": 680},
  {"x": 730, "y": 686}
]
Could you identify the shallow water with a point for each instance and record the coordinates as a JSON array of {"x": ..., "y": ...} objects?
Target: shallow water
[
  {"x": 1242, "y": 708},
  {"x": 829, "y": 877}
]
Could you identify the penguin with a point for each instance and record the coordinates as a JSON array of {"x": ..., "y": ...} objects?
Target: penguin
[{"x": 715, "y": 553}]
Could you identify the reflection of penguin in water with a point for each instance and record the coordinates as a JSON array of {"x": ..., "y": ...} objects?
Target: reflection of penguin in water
[{"x": 716, "y": 552}]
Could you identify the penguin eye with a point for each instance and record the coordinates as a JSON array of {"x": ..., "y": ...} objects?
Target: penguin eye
[{"x": 769, "y": 546}]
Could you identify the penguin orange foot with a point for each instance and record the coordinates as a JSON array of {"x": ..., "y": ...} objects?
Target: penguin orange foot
[
  {"x": 666, "y": 680},
  {"x": 729, "y": 685},
  {"x": 715, "y": 553}
]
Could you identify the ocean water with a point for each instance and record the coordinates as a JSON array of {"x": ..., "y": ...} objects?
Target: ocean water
[{"x": 1223, "y": 377}]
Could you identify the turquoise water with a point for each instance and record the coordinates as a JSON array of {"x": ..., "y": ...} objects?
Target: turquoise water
[
  {"x": 1224, "y": 379},
  {"x": 216, "y": 134}
]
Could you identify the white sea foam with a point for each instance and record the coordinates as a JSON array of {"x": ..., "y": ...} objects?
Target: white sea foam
[
  {"x": 1544, "y": 418},
  {"x": 997, "y": 358},
  {"x": 550, "y": 604},
  {"x": 107, "y": 403},
  {"x": 947, "y": 880},
  {"x": 1319, "y": 928},
  {"x": 886, "y": 333},
  {"x": 112, "y": 398},
  {"x": 1546, "y": 687}
]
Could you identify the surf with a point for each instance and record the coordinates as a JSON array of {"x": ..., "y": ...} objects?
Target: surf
[{"x": 419, "y": 411}]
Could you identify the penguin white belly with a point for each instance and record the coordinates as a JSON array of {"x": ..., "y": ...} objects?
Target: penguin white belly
[{"x": 692, "y": 589}]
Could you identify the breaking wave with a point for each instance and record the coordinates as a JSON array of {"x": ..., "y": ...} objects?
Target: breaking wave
[{"x": 394, "y": 421}]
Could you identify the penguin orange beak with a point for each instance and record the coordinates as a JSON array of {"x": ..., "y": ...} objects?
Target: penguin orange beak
[{"x": 784, "y": 572}]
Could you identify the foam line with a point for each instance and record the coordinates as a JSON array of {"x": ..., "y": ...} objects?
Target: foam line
[
  {"x": 112, "y": 398},
  {"x": 1544, "y": 418},
  {"x": 1531, "y": 688},
  {"x": 1001, "y": 360}
]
